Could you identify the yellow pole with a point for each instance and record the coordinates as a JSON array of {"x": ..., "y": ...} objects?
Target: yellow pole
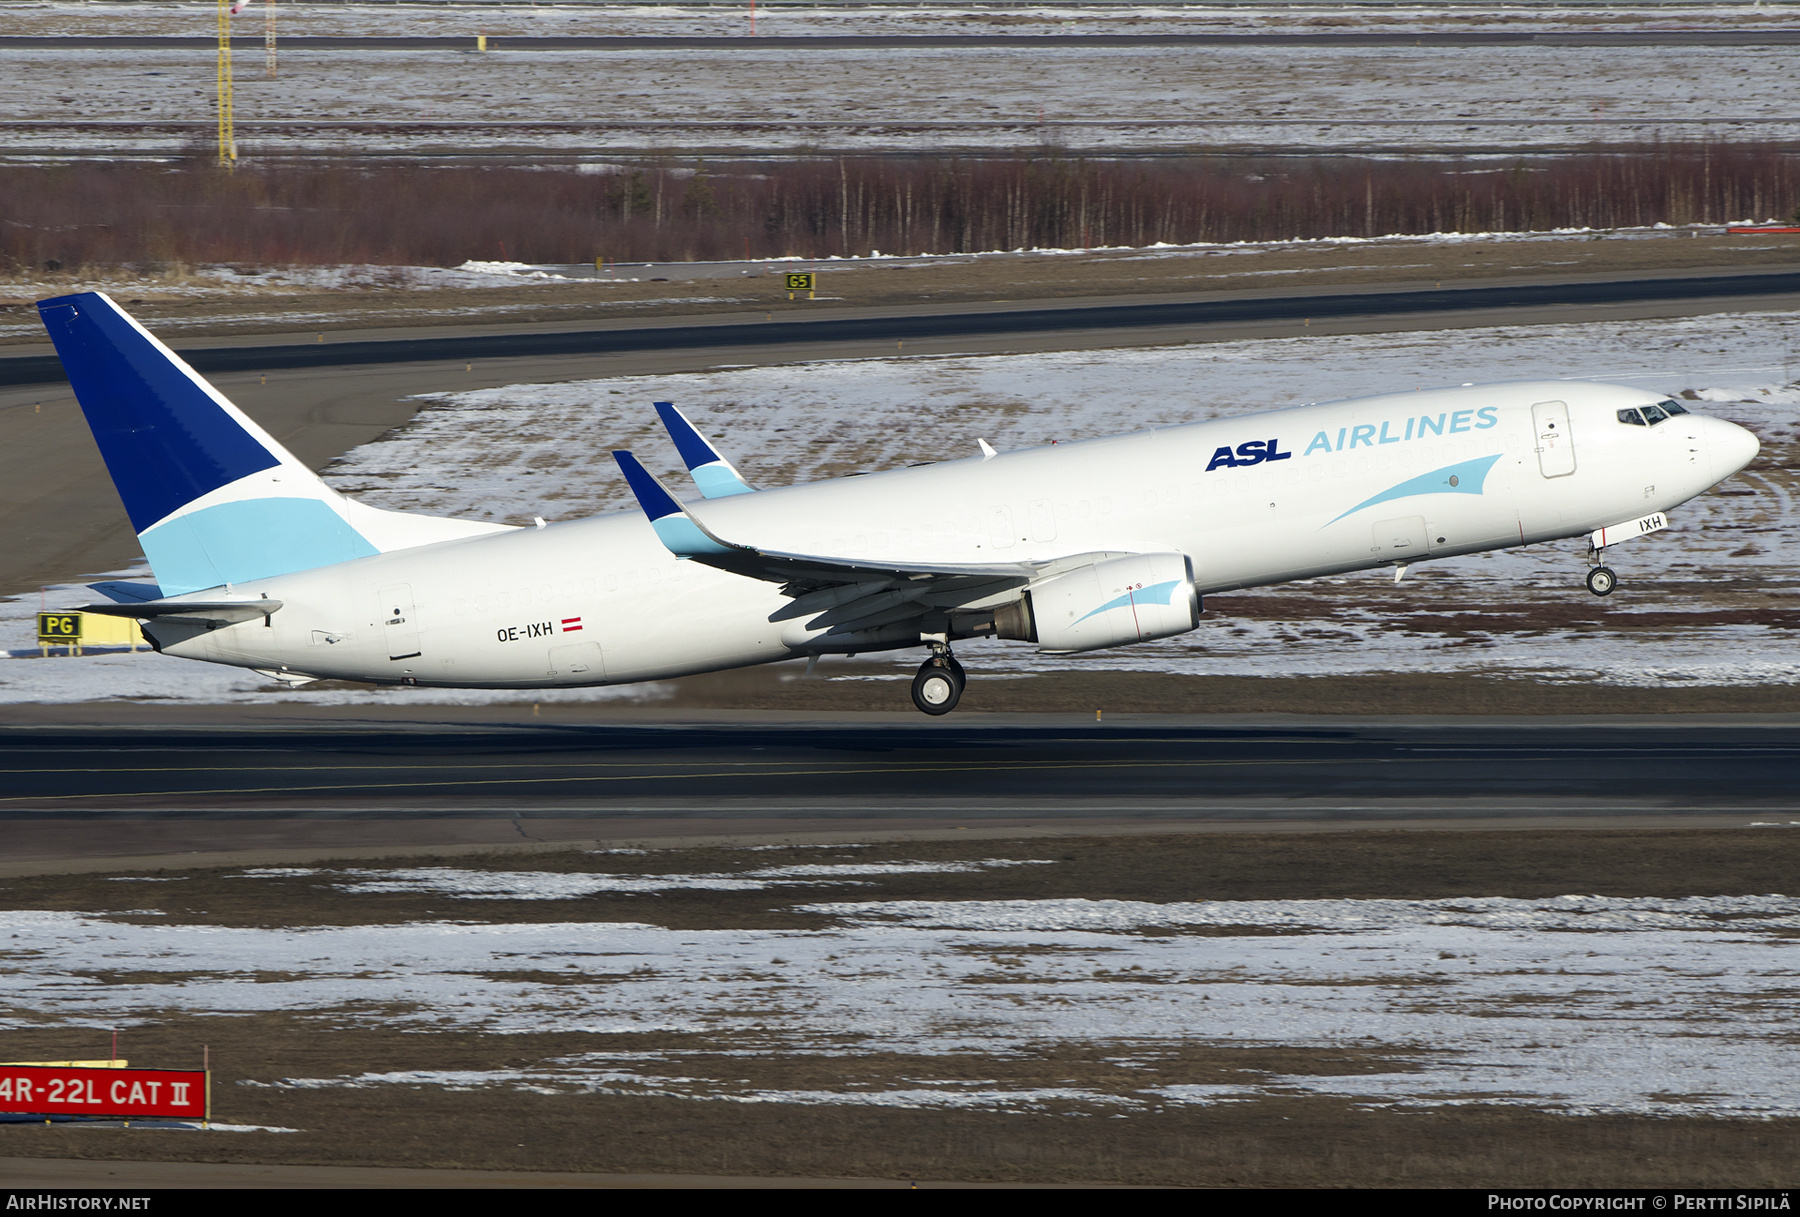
[{"x": 227, "y": 131}]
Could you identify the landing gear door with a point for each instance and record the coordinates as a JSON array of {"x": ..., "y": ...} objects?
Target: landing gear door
[{"x": 1555, "y": 445}]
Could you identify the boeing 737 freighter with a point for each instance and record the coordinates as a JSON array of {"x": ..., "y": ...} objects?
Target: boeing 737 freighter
[{"x": 1073, "y": 547}]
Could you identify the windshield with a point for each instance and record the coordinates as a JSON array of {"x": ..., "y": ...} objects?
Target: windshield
[{"x": 1649, "y": 416}]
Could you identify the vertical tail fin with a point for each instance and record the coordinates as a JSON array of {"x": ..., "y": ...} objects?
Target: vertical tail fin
[{"x": 213, "y": 497}]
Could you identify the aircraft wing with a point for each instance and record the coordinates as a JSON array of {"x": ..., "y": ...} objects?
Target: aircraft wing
[{"x": 838, "y": 593}]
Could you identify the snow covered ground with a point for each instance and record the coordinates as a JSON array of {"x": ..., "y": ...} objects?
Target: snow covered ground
[
  {"x": 1710, "y": 601},
  {"x": 1577, "y": 1004},
  {"x": 750, "y": 100},
  {"x": 501, "y": 20}
]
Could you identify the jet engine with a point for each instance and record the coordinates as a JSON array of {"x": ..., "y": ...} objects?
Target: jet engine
[{"x": 1106, "y": 604}]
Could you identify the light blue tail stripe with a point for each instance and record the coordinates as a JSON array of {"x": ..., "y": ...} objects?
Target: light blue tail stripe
[{"x": 250, "y": 539}]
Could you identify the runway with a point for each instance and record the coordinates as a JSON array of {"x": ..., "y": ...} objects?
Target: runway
[
  {"x": 879, "y": 771},
  {"x": 900, "y": 324}
]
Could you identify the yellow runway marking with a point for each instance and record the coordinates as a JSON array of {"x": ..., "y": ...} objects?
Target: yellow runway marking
[
  {"x": 440, "y": 766},
  {"x": 663, "y": 777}
]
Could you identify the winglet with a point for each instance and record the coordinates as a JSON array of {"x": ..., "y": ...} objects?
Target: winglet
[
  {"x": 712, "y": 473},
  {"x": 679, "y": 532}
]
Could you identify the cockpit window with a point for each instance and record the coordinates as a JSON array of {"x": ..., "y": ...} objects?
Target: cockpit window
[{"x": 1649, "y": 416}]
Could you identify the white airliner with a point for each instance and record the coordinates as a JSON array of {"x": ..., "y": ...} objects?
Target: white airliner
[{"x": 1072, "y": 547}]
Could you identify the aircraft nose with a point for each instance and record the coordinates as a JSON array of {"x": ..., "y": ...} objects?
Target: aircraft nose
[{"x": 1732, "y": 447}]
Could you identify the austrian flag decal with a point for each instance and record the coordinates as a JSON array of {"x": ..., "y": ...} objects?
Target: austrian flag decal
[{"x": 571, "y": 625}]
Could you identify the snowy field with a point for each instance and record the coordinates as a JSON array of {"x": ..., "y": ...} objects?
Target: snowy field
[
  {"x": 1109, "y": 100},
  {"x": 1710, "y": 601},
  {"x": 1573, "y": 1004},
  {"x": 296, "y": 17}
]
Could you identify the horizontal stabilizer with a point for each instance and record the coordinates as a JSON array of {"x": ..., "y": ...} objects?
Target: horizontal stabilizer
[
  {"x": 127, "y": 593},
  {"x": 212, "y": 613},
  {"x": 712, "y": 473}
]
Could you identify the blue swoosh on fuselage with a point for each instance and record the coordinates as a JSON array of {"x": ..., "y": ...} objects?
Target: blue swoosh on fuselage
[{"x": 1470, "y": 476}]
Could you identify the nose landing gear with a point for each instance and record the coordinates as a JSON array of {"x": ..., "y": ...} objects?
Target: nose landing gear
[
  {"x": 1600, "y": 577},
  {"x": 939, "y": 685}
]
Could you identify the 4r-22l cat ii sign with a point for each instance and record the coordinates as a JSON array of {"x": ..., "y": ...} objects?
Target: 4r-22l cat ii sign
[{"x": 44, "y": 1090}]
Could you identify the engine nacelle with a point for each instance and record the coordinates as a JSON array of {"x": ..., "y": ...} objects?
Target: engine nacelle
[{"x": 1108, "y": 604}]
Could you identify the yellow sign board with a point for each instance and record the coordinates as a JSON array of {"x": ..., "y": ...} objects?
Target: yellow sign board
[
  {"x": 76, "y": 630},
  {"x": 801, "y": 283},
  {"x": 59, "y": 628}
]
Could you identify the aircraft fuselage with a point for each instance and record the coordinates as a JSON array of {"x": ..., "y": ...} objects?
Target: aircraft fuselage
[{"x": 1251, "y": 500}]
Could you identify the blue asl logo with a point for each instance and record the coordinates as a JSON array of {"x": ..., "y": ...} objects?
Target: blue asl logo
[{"x": 1253, "y": 452}]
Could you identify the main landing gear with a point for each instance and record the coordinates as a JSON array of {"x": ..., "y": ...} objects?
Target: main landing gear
[{"x": 939, "y": 685}]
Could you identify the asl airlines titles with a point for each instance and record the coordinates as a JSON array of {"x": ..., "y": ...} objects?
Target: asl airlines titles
[{"x": 1366, "y": 435}]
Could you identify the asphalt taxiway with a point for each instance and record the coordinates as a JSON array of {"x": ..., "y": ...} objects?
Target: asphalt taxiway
[{"x": 896, "y": 325}]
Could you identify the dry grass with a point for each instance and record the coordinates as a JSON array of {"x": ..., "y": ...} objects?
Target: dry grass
[{"x": 89, "y": 214}]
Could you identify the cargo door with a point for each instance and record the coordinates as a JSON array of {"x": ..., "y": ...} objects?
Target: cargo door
[
  {"x": 398, "y": 621},
  {"x": 1555, "y": 446}
]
